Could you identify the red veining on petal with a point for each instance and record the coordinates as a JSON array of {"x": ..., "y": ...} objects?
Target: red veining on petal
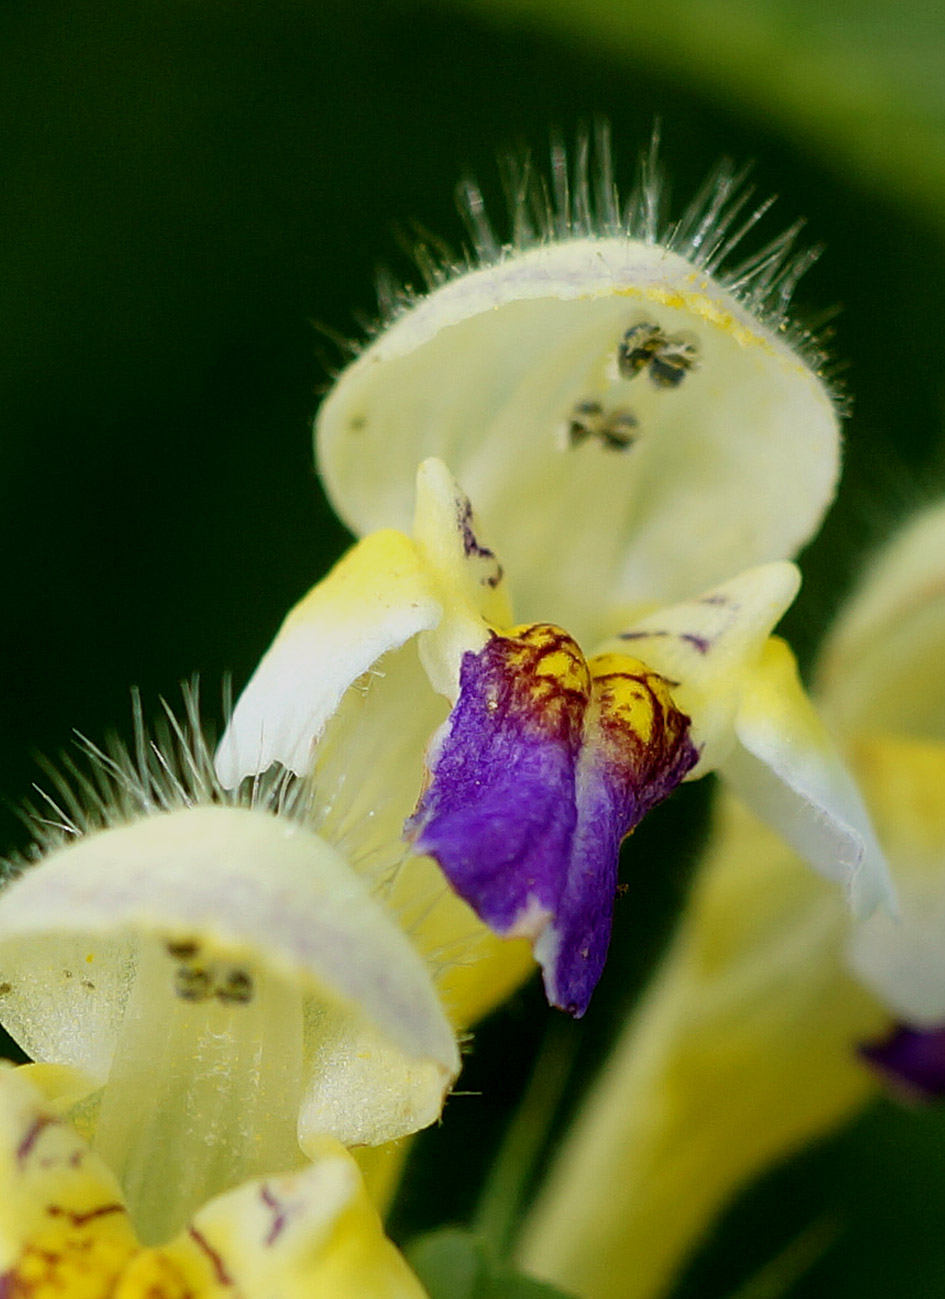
[{"x": 220, "y": 1272}]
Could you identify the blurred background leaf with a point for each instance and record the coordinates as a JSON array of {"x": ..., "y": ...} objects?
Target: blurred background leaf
[
  {"x": 858, "y": 82},
  {"x": 194, "y": 198},
  {"x": 453, "y": 1264}
]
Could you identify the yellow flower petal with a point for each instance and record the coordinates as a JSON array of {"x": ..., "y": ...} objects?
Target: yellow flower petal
[
  {"x": 64, "y": 1232},
  {"x": 233, "y": 988},
  {"x": 787, "y": 769},
  {"x": 902, "y": 958},
  {"x": 708, "y": 646},
  {"x": 881, "y": 667},
  {"x": 375, "y": 598},
  {"x": 311, "y": 1235}
]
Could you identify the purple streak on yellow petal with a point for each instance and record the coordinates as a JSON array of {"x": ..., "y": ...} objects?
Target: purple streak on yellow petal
[
  {"x": 546, "y": 764},
  {"x": 912, "y": 1062},
  {"x": 64, "y": 1231}
]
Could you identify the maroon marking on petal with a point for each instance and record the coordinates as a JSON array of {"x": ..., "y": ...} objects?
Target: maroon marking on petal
[
  {"x": 80, "y": 1219},
  {"x": 29, "y": 1141},
  {"x": 220, "y": 1272},
  {"x": 700, "y": 643},
  {"x": 279, "y": 1217},
  {"x": 472, "y": 545},
  {"x": 641, "y": 635}
]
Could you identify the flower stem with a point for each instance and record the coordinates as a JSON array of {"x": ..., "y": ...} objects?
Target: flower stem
[{"x": 497, "y": 1213}]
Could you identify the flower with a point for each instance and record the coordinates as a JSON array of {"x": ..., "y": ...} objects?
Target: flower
[
  {"x": 211, "y": 985},
  {"x": 754, "y": 1035},
  {"x": 636, "y": 426},
  {"x": 548, "y": 758},
  {"x": 65, "y": 1230}
]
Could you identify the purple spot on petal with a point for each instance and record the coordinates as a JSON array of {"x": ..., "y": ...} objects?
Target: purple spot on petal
[
  {"x": 912, "y": 1061},
  {"x": 641, "y": 635},
  {"x": 278, "y": 1215},
  {"x": 700, "y": 643},
  {"x": 216, "y": 1260},
  {"x": 472, "y": 547},
  {"x": 25, "y": 1147}
]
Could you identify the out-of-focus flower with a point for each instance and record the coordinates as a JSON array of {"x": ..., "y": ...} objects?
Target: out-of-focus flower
[
  {"x": 65, "y": 1230},
  {"x": 757, "y": 1031},
  {"x": 209, "y": 987}
]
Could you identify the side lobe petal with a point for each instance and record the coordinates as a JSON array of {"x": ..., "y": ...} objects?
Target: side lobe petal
[
  {"x": 785, "y": 767},
  {"x": 375, "y": 599}
]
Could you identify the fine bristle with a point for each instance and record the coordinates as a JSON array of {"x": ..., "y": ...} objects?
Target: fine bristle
[
  {"x": 579, "y": 199},
  {"x": 167, "y": 767}
]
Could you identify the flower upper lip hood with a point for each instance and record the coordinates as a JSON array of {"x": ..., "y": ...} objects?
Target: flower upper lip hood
[{"x": 516, "y": 374}]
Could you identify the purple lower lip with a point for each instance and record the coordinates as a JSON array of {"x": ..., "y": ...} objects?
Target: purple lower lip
[{"x": 535, "y": 781}]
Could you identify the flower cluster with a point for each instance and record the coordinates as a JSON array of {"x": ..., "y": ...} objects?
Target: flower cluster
[{"x": 578, "y": 470}]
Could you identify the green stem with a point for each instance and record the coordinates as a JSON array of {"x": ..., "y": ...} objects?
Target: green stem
[{"x": 497, "y": 1213}]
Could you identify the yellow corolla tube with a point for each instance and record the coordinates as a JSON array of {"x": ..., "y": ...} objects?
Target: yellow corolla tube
[{"x": 776, "y": 1011}]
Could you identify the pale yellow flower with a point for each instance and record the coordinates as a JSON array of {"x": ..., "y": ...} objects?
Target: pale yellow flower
[
  {"x": 210, "y": 987},
  {"x": 528, "y": 739}
]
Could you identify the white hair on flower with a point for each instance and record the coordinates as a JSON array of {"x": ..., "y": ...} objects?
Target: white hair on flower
[
  {"x": 168, "y": 767},
  {"x": 581, "y": 200}
]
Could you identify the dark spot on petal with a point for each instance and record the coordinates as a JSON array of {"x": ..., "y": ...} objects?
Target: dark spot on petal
[
  {"x": 182, "y": 950},
  {"x": 236, "y": 988},
  {"x": 278, "y": 1215},
  {"x": 192, "y": 984}
]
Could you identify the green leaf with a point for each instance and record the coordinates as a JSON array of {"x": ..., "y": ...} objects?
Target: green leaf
[
  {"x": 455, "y": 1264},
  {"x": 862, "y": 82}
]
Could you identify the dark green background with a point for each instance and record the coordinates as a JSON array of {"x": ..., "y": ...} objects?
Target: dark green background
[{"x": 194, "y": 198}]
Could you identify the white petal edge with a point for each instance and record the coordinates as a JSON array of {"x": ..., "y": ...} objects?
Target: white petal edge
[
  {"x": 374, "y": 600},
  {"x": 787, "y": 770}
]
